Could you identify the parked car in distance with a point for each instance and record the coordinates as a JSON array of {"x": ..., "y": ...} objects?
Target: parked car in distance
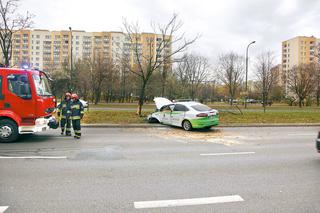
[
  {"x": 268, "y": 102},
  {"x": 252, "y": 101},
  {"x": 188, "y": 115}
]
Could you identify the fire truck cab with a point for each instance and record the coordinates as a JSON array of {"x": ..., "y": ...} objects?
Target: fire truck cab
[{"x": 26, "y": 103}]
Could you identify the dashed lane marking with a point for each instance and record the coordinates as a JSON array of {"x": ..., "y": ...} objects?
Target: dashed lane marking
[
  {"x": 3, "y": 208},
  {"x": 187, "y": 202},
  {"x": 302, "y": 134},
  {"x": 33, "y": 157},
  {"x": 229, "y": 153}
]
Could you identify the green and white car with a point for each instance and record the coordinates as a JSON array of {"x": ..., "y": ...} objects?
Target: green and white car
[{"x": 188, "y": 115}]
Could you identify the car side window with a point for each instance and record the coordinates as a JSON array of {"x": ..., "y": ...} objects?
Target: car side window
[
  {"x": 180, "y": 107},
  {"x": 166, "y": 109},
  {"x": 19, "y": 85}
]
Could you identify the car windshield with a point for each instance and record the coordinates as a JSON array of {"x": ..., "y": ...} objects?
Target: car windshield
[
  {"x": 42, "y": 85},
  {"x": 201, "y": 107}
]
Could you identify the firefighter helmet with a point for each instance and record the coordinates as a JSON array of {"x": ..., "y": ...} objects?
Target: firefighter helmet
[
  {"x": 68, "y": 94},
  {"x": 74, "y": 96}
]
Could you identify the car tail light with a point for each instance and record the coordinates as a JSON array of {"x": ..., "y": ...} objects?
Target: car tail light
[{"x": 202, "y": 115}]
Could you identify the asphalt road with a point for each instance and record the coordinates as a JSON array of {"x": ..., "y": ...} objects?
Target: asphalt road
[{"x": 117, "y": 170}]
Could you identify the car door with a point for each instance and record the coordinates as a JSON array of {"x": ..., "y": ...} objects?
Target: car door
[
  {"x": 19, "y": 97},
  {"x": 178, "y": 114},
  {"x": 1, "y": 92},
  {"x": 166, "y": 114}
]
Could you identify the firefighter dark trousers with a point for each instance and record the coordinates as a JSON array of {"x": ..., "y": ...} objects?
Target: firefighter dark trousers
[
  {"x": 65, "y": 125},
  {"x": 76, "y": 127}
]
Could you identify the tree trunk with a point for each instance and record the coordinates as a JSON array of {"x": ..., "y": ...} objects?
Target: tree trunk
[
  {"x": 141, "y": 98},
  {"x": 264, "y": 102},
  {"x": 7, "y": 61},
  {"x": 163, "y": 88},
  {"x": 97, "y": 97},
  {"x": 300, "y": 102}
]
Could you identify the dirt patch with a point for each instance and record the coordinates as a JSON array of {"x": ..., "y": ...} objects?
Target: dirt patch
[{"x": 210, "y": 136}]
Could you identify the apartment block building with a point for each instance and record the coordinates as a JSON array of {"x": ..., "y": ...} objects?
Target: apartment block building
[
  {"x": 298, "y": 50},
  {"x": 50, "y": 50}
]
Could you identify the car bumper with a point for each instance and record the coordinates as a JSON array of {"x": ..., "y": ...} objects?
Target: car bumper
[
  {"x": 318, "y": 144},
  {"x": 205, "y": 122}
]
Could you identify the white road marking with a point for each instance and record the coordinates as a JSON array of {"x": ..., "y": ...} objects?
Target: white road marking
[
  {"x": 229, "y": 153},
  {"x": 187, "y": 202},
  {"x": 303, "y": 134},
  {"x": 3, "y": 208},
  {"x": 33, "y": 157}
]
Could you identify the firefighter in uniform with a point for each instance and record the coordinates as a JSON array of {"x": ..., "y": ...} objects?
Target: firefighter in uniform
[
  {"x": 64, "y": 112},
  {"x": 76, "y": 115}
]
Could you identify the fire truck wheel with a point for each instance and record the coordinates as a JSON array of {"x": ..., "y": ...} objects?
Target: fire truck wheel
[{"x": 8, "y": 130}]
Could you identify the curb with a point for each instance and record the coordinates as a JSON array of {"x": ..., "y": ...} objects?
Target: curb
[{"x": 106, "y": 125}]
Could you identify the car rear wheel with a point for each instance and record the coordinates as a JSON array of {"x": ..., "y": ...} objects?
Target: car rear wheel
[
  {"x": 8, "y": 131},
  {"x": 187, "y": 125}
]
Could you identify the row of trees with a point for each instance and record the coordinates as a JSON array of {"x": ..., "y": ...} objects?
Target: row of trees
[{"x": 192, "y": 77}]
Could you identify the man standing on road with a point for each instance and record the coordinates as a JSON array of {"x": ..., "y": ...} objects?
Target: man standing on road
[
  {"x": 64, "y": 112},
  {"x": 76, "y": 115}
]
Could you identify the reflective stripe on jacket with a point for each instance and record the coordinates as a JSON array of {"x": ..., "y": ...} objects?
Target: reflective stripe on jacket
[
  {"x": 76, "y": 110},
  {"x": 65, "y": 107}
]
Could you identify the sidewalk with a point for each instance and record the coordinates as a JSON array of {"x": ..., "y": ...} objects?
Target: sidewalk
[{"x": 147, "y": 125}]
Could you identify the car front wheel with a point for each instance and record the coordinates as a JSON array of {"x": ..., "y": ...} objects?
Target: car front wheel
[
  {"x": 187, "y": 125},
  {"x": 153, "y": 120}
]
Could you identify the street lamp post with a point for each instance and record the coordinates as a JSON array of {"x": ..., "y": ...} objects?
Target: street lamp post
[
  {"x": 246, "y": 96},
  {"x": 71, "y": 68}
]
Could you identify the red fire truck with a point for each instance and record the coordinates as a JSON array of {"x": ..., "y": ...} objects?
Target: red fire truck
[{"x": 26, "y": 103}]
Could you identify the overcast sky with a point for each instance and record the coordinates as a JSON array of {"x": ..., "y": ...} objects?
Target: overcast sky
[{"x": 224, "y": 25}]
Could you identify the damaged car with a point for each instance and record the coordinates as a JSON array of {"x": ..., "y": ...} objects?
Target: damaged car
[{"x": 187, "y": 114}]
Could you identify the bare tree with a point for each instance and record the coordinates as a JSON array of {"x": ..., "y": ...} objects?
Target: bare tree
[
  {"x": 230, "y": 71},
  {"x": 192, "y": 70},
  {"x": 157, "y": 51},
  {"x": 99, "y": 67},
  {"x": 165, "y": 71},
  {"x": 266, "y": 75},
  {"x": 126, "y": 83},
  {"x": 11, "y": 22},
  {"x": 82, "y": 79},
  {"x": 301, "y": 81},
  {"x": 317, "y": 74}
]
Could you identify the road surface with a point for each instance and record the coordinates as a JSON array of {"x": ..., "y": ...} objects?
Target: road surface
[{"x": 163, "y": 170}]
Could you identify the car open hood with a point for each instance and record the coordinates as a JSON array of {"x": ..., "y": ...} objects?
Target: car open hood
[{"x": 160, "y": 102}]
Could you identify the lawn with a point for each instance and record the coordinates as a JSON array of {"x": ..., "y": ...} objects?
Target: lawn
[{"x": 226, "y": 118}]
